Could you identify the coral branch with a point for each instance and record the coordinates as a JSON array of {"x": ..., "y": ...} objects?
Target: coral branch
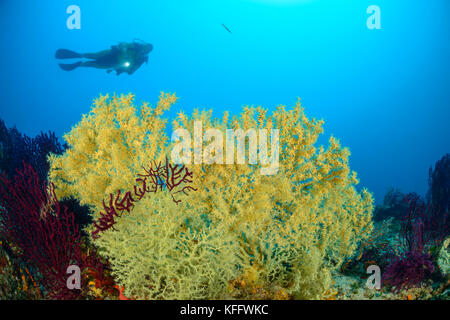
[{"x": 155, "y": 178}]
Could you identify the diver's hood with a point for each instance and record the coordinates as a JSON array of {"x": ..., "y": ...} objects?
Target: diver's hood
[
  {"x": 146, "y": 47},
  {"x": 139, "y": 41}
]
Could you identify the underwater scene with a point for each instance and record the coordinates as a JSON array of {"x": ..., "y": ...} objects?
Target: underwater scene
[{"x": 224, "y": 150}]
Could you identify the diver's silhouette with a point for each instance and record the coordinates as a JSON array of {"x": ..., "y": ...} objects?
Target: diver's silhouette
[{"x": 125, "y": 57}]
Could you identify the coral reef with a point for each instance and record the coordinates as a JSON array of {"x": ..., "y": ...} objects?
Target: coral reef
[
  {"x": 142, "y": 227},
  {"x": 278, "y": 236}
]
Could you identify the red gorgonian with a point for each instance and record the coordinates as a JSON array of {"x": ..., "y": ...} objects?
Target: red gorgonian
[
  {"x": 40, "y": 230},
  {"x": 176, "y": 178}
]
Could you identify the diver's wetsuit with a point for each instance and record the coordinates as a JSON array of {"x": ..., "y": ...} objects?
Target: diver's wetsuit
[{"x": 124, "y": 57}]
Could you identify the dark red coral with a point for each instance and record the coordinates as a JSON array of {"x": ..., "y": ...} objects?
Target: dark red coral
[
  {"x": 408, "y": 270},
  {"x": 43, "y": 232},
  {"x": 176, "y": 178},
  {"x": 422, "y": 225},
  {"x": 421, "y": 228}
]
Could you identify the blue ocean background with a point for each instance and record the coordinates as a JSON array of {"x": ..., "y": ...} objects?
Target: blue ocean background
[{"x": 384, "y": 93}]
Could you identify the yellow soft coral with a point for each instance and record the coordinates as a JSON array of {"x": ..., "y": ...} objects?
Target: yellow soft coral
[
  {"x": 108, "y": 148},
  {"x": 281, "y": 235}
]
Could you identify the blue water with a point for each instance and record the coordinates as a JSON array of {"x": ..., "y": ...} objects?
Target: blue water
[{"x": 385, "y": 93}]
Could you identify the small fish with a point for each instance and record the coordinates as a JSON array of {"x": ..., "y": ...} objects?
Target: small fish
[{"x": 226, "y": 28}]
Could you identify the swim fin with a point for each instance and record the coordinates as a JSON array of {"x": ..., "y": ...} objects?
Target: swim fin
[
  {"x": 67, "y": 54},
  {"x": 70, "y": 67}
]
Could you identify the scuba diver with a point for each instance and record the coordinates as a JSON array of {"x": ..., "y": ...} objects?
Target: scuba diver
[{"x": 124, "y": 57}]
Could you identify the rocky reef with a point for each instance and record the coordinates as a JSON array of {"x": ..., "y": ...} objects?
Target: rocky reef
[{"x": 138, "y": 225}]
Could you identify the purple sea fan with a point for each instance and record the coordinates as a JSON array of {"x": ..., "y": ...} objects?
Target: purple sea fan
[
  {"x": 419, "y": 230},
  {"x": 408, "y": 270},
  {"x": 44, "y": 232}
]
